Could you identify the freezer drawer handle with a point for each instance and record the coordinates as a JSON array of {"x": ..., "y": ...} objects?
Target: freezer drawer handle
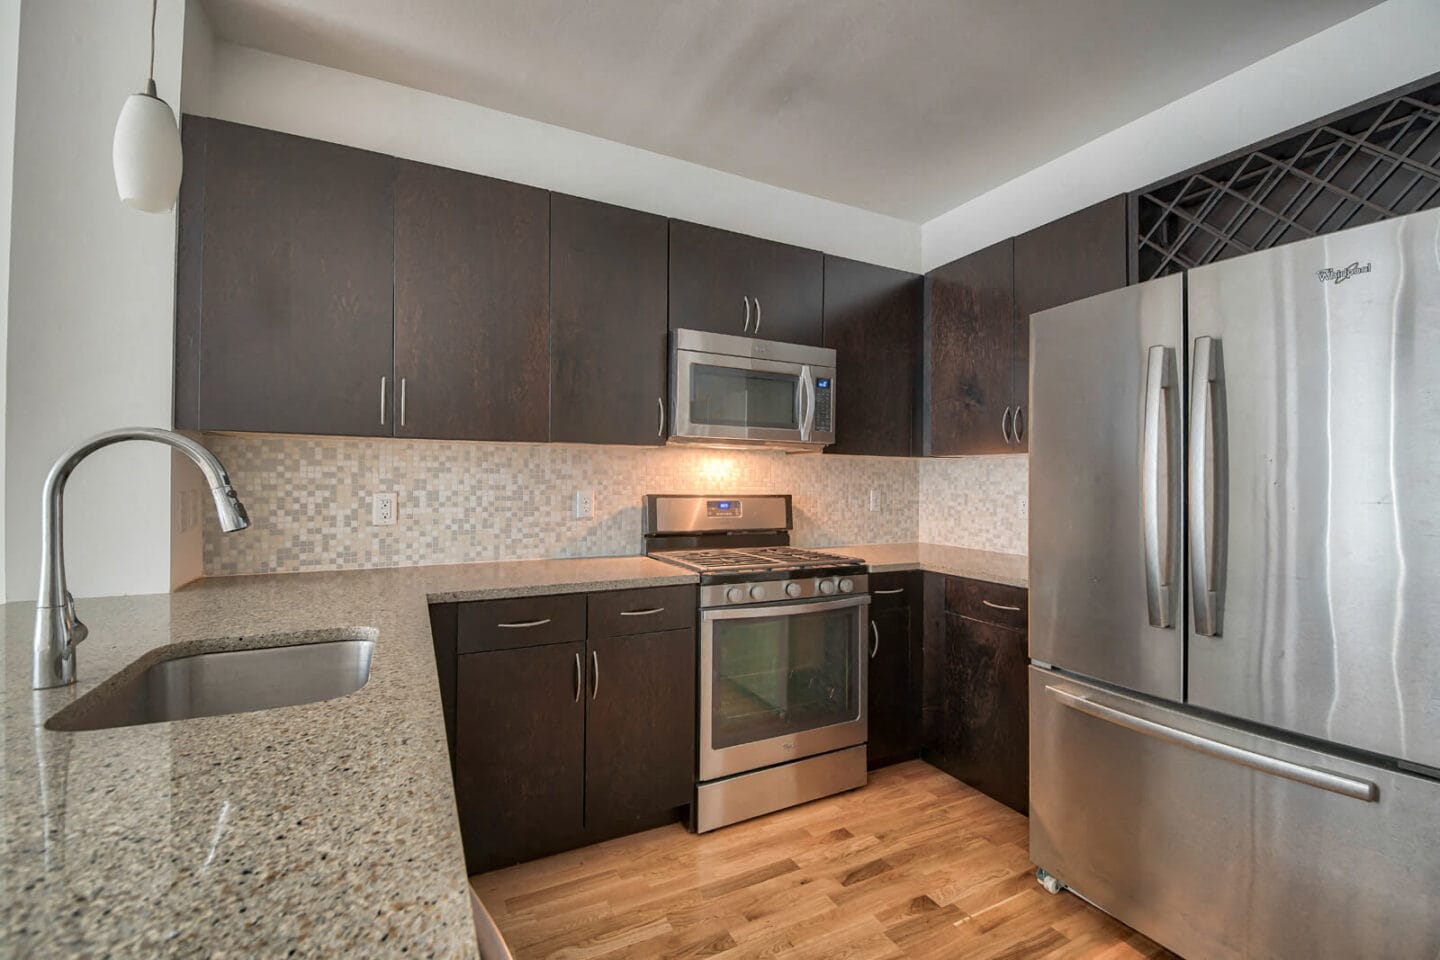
[
  {"x": 1310, "y": 776},
  {"x": 1159, "y": 483},
  {"x": 1209, "y": 482}
]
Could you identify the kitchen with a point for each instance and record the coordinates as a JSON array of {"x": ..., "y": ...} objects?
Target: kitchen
[{"x": 692, "y": 498}]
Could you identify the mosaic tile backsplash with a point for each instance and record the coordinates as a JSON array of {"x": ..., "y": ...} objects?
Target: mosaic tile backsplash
[{"x": 309, "y": 499}]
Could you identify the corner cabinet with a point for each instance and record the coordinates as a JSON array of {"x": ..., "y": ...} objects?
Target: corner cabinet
[
  {"x": 872, "y": 321},
  {"x": 284, "y": 284},
  {"x": 568, "y": 734},
  {"x": 977, "y": 325},
  {"x": 723, "y": 282}
]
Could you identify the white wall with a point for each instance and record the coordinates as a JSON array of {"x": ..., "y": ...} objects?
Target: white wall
[
  {"x": 9, "y": 60},
  {"x": 91, "y": 299},
  {"x": 1385, "y": 47},
  {"x": 264, "y": 90}
]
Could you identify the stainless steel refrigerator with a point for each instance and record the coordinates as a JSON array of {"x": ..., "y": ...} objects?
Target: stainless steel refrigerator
[{"x": 1235, "y": 599}]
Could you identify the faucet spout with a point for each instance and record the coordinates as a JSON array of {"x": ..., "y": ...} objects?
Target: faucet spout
[{"x": 57, "y": 628}]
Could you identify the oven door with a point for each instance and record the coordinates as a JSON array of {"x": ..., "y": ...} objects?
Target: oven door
[
  {"x": 722, "y": 397},
  {"x": 781, "y": 682}
]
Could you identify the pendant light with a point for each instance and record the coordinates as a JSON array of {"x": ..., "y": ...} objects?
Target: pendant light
[{"x": 146, "y": 152}]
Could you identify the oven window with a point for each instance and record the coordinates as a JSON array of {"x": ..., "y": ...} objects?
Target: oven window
[
  {"x": 727, "y": 397},
  {"x": 781, "y": 675}
]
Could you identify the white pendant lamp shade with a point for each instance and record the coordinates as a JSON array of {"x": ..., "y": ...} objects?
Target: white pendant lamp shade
[{"x": 147, "y": 153}]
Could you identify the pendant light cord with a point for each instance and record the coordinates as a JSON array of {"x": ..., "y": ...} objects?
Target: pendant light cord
[{"x": 154, "y": 8}]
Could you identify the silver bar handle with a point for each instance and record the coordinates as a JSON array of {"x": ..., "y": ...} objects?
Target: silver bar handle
[
  {"x": 660, "y": 402},
  {"x": 807, "y": 401},
  {"x": 888, "y": 593},
  {"x": 382, "y": 401},
  {"x": 758, "y": 315},
  {"x": 1017, "y": 424},
  {"x": 402, "y": 401},
  {"x": 1000, "y": 606},
  {"x": 1005, "y": 426},
  {"x": 875, "y": 643},
  {"x": 1158, "y": 483},
  {"x": 747, "y": 313},
  {"x": 522, "y": 624},
  {"x": 1298, "y": 772},
  {"x": 595, "y": 681},
  {"x": 579, "y": 678},
  {"x": 1207, "y": 482},
  {"x": 642, "y": 613}
]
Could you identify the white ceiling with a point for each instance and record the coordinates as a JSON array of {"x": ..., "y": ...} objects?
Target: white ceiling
[{"x": 903, "y": 107}]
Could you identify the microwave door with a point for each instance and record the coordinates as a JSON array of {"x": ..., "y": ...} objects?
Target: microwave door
[{"x": 740, "y": 398}]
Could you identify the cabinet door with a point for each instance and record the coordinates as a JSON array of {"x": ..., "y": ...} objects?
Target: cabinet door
[
  {"x": 890, "y": 701},
  {"x": 969, "y": 343},
  {"x": 872, "y": 321},
  {"x": 520, "y": 753},
  {"x": 985, "y": 741},
  {"x": 1069, "y": 259},
  {"x": 608, "y": 342},
  {"x": 713, "y": 272},
  {"x": 472, "y": 320},
  {"x": 640, "y": 732},
  {"x": 290, "y": 286}
]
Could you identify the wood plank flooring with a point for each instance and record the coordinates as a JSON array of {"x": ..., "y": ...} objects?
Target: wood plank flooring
[{"x": 914, "y": 865}]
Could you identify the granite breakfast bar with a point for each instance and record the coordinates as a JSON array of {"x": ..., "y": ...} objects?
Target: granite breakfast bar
[{"x": 316, "y": 830}]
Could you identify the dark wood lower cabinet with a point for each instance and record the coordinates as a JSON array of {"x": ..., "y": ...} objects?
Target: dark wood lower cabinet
[
  {"x": 520, "y": 753},
  {"x": 640, "y": 731},
  {"x": 976, "y": 699},
  {"x": 894, "y": 695}
]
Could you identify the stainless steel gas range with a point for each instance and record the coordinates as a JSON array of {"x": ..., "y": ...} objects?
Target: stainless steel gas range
[{"x": 783, "y": 655}]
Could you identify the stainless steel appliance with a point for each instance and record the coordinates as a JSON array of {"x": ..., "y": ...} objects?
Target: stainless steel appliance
[
  {"x": 743, "y": 392},
  {"x": 1235, "y": 599},
  {"x": 783, "y": 655}
]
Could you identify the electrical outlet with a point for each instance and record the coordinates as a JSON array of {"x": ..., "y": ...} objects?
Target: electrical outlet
[
  {"x": 383, "y": 510},
  {"x": 874, "y": 500},
  {"x": 584, "y": 504}
]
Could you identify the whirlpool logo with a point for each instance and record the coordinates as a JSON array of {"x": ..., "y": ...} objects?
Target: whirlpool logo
[{"x": 1341, "y": 274}]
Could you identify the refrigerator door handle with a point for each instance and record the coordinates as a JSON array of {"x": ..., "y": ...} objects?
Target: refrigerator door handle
[
  {"x": 1208, "y": 482},
  {"x": 1159, "y": 484},
  {"x": 1310, "y": 776}
]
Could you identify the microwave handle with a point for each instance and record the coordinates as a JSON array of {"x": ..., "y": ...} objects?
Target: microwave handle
[{"x": 807, "y": 402}]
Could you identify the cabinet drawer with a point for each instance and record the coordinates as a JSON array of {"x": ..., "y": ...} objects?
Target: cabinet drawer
[
  {"x": 995, "y": 603},
  {"x": 893, "y": 589},
  {"x": 650, "y": 610},
  {"x": 520, "y": 622}
]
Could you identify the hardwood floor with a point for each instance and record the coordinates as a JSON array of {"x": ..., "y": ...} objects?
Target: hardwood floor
[{"x": 914, "y": 865}]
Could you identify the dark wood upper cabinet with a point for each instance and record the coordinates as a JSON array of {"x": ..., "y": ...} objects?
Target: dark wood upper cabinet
[
  {"x": 608, "y": 333},
  {"x": 640, "y": 730},
  {"x": 969, "y": 344},
  {"x": 1068, "y": 259},
  {"x": 284, "y": 287},
  {"x": 714, "y": 272},
  {"x": 520, "y": 753},
  {"x": 472, "y": 284},
  {"x": 872, "y": 321}
]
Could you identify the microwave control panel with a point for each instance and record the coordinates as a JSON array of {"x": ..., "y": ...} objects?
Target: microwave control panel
[{"x": 823, "y": 404}]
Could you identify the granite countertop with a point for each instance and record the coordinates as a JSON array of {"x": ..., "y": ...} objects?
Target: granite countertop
[
  {"x": 1008, "y": 568},
  {"x": 327, "y": 829}
]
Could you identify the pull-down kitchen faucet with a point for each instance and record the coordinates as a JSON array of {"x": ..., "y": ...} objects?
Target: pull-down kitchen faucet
[{"x": 57, "y": 629}]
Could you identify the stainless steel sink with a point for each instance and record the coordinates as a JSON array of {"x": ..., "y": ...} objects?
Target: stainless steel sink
[{"x": 233, "y": 681}]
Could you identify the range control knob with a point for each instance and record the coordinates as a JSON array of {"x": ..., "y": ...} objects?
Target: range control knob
[
  {"x": 827, "y": 587},
  {"x": 847, "y": 585},
  {"x": 757, "y": 592},
  {"x": 734, "y": 595},
  {"x": 793, "y": 589}
]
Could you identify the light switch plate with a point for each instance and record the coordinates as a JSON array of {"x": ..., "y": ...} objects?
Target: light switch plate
[
  {"x": 383, "y": 510},
  {"x": 584, "y": 505}
]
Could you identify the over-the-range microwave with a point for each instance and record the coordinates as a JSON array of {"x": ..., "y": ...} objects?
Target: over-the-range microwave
[{"x": 728, "y": 391}]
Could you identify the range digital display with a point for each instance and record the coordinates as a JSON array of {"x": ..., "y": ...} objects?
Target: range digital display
[{"x": 723, "y": 508}]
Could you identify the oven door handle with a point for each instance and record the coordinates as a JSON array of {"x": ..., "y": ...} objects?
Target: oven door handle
[{"x": 784, "y": 609}]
